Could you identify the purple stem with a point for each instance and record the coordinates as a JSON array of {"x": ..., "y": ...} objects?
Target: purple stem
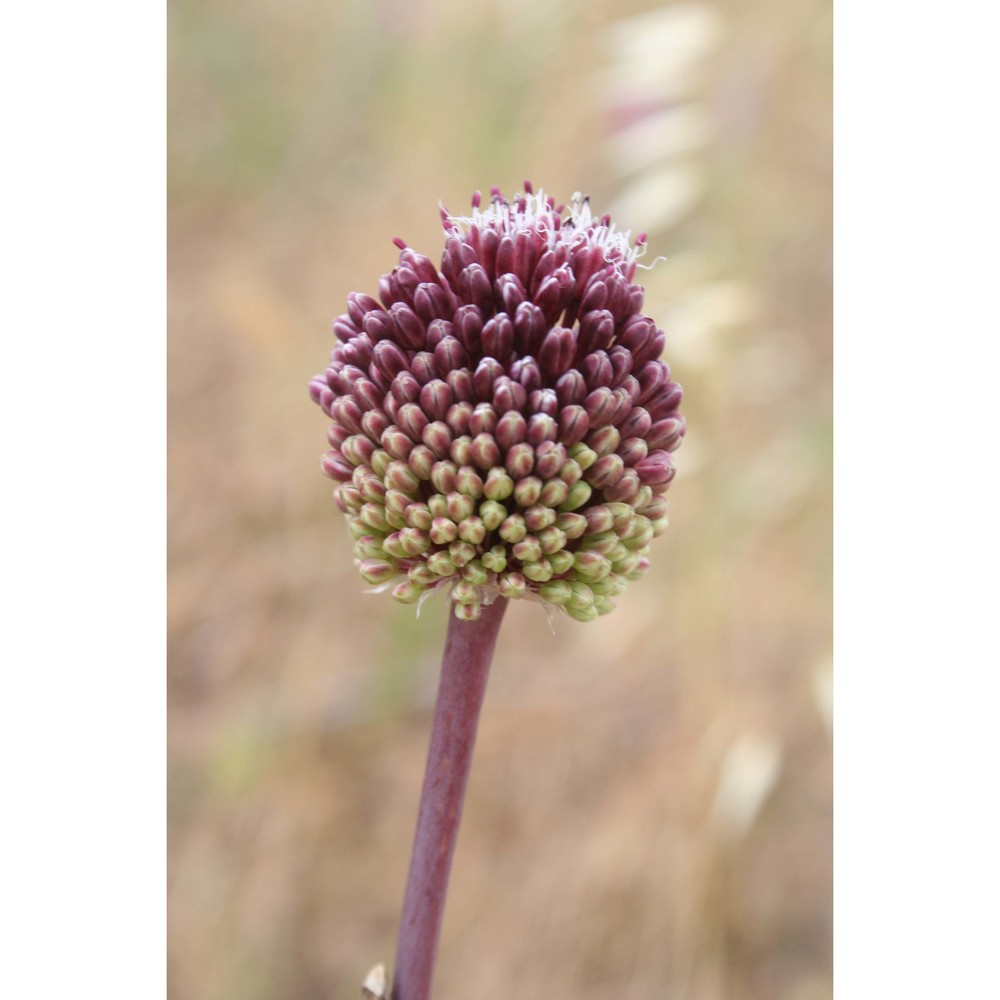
[{"x": 465, "y": 667}]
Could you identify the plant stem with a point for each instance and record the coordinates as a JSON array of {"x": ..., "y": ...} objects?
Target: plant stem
[{"x": 465, "y": 667}]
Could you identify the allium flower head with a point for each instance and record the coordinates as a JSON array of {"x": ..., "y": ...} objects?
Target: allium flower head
[{"x": 503, "y": 424}]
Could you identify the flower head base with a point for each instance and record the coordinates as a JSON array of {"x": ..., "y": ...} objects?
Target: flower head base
[{"x": 503, "y": 425}]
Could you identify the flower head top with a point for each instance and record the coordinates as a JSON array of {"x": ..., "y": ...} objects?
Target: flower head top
[{"x": 503, "y": 424}]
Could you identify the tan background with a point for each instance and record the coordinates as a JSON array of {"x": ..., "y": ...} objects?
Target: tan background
[{"x": 649, "y": 813}]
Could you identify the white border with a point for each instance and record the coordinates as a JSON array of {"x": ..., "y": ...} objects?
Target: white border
[
  {"x": 82, "y": 411},
  {"x": 917, "y": 835}
]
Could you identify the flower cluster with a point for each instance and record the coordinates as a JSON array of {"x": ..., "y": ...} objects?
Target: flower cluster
[{"x": 503, "y": 424}]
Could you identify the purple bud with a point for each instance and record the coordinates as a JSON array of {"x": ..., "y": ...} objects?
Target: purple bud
[
  {"x": 435, "y": 399},
  {"x": 487, "y": 372},
  {"x": 604, "y": 440},
  {"x": 597, "y": 369},
  {"x": 337, "y": 435},
  {"x": 653, "y": 377},
  {"x": 573, "y": 424},
  {"x": 511, "y": 429},
  {"x": 422, "y": 266},
  {"x": 571, "y": 388},
  {"x": 358, "y": 304},
  {"x": 397, "y": 443},
  {"x": 405, "y": 388},
  {"x": 657, "y": 469},
  {"x": 483, "y": 420},
  {"x": 367, "y": 395},
  {"x": 347, "y": 412},
  {"x": 437, "y": 330},
  {"x": 508, "y": 395},
  {"x": 520, "y": 460},
  {"x": 469, "y": 328},
  {"x": 544, "y": 401},
  {"x": 606, "y": 471},
  {"x": 485, "y": 451},
  {"x": 460, "y": 451},
  {"x": 498, "y": 337},
  {"x": 509, "y": 292},
  {"x": 621, "y": 364},
  {"x": 389, "y": 359},
  {"x": 374, "y": 424},
  {"x": 650, "y": 349},
  {"x": 529, "y": 328},
  {"x": 410, "y": 330},
  {"x": 437, "y": 436},
  {"x": 474, "y": 287},
  {"x": 344, "y": 329},
  {"x": 541, "y": 427},
  {"x": 378, "y": 326},
  {"x": 421, "y": 461},
  {"x": 430, "y": 301},
  {"x": 597, "y": 330},
  {"x": 666, "y": 434},
  {"x": 459, "y": 416},
  {"x": 557, "y": 351},
  {"x": 505, "y": 255},
  {"x": 412, "y": 419},
  {"x": 600, "y": 404},
  {"x": 460, "y": 381},
  {"x": 549, "y": 459},
  {"x": 626, "y": 489},
  {"x": 336, "y": 467},
  {"x": 424, "y": 367},
  {"x": 450, "y": 355},
  {"x": 443, "y": 476},
  {"x": 633, "y": 450},
  {"x": 595, "y": 296}
]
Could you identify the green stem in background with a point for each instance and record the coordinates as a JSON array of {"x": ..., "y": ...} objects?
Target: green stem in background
[{"x": 465, "y": 668}]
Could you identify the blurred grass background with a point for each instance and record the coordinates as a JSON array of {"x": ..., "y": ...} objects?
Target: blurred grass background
[{"x": 649, "y": 812}]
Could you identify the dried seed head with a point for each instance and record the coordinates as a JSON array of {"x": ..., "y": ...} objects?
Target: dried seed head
[{"x": 503, "y": 424}]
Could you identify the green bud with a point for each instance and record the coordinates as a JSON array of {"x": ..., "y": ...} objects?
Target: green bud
[
  {"x": 369, "y": 547},
  {"x": 537, "y": 517},
  {"x": 443, "y": 476},
  {"x": 512, "y": 585},
  {"x": 604, "y": 441},
  {"x": 443, "y": 531},
  {"x": 395, "y": 520},
  {"x": 475, "y": 573},
  {"x": 358, "y": 528},
  {"x": 440, "y": 563},
  {"x": 468, "y": 482},
  {"x": 461, "y": 553},
  {"x": 417, "y": 515},
  {"x": 554, "y": 492},
  {"x": 380, "y": 462},
  {"x": 602, "y": 542},
  {"x": 604, "y": 605},
  {"x": 591, "y": 565},
  {"x": 551, "y": 539},
  {"x": 393, "y": 544},
  {"x": 572, "y": 525},
  {"x": 492, "y": 514},
  {"x": 461, "y": 450},
  {"x": 422, "y": 574},
  {"x": 499, "y": 485},
  {"x": 437, "y": 505},
  {"x": 539, "y": 571},
  {"x": 578, "y": 496},
  {"x": 556, "y": 592},
  {"x": 582, "y": 455},
  {"x": 527, "y": 491},
  {"x": 407, "y": 592},
  {"x": 659, "y": 526},
  {"x": 527, "y": 550},
  {"x": 513, "y": 528},
  {"x": 373, "y": 515},
  {"x": 570, "y": 472},
  {"x": 496, "y": 558},
  {"x": 584, "y": 614},
  {"x": 460, "y": 506},
  {"x": 464, "y": 592},
  {"x": 561, "y": 562},
  {"x": 376, "y": 571},
  {"x": 472, "y": 530},
  {"x": 468, "y": 612},
  {"x": 582, "y": 595}
]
